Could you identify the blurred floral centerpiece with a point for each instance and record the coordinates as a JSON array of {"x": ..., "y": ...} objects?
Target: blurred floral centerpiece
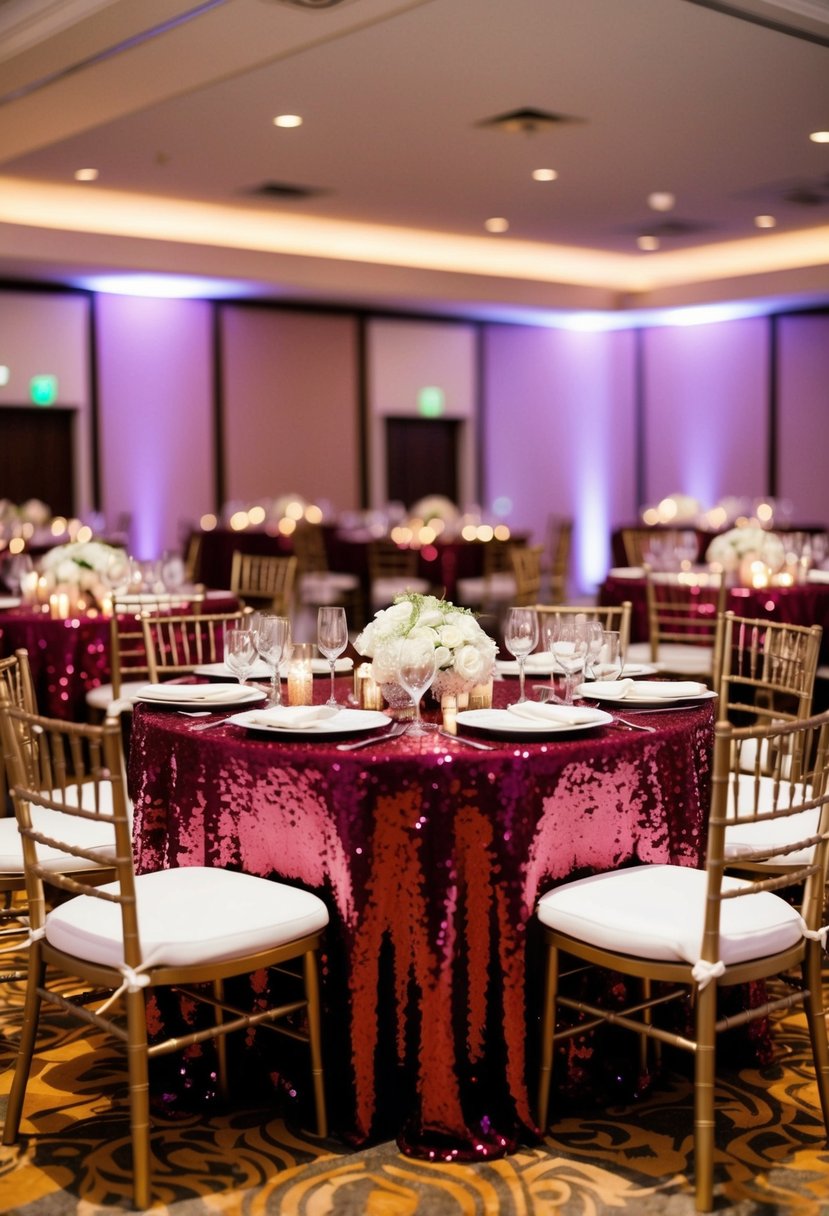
[
  {"x": 465, "y": 654},
  {"x": 83, "y": 565},
  {"x": 734, "y": 546}
]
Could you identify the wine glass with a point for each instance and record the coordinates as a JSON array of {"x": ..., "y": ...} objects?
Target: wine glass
[
  {"x": 416, "y": 666},
  {"x": 568, "y": 644},
  {"x": 332, "y": 639},
  {"x": 594, "y": 634},
  {"x": 240, "y": 652},
  {"x": 608, "y": 666},
  {"x": 273, "y": 637},
  {"x": 520, "y": 639}
]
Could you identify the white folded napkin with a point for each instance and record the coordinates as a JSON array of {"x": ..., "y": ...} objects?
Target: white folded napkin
[
  {"x": 647, "y": 690},
  {"x": 292, "y": 717},
  {"x": 195, "y": 692},
  {"x": 541, "y": 711}
]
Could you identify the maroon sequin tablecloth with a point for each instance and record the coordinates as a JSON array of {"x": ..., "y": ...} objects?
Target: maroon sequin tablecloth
[{"x": 430, "y": 856}]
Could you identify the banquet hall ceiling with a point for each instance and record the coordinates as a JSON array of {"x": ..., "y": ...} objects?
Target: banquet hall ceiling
[{"x": 422, "y": 120}]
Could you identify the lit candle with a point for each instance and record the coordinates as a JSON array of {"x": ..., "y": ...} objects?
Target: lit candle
[
  {"x": 300, "y": 684},
  {"x": 28, "y": 586}
]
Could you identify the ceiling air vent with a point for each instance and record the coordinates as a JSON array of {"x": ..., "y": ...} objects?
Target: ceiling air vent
[
  {"x": 527, "y": 120},
  {"x": 284, "y": 190}
]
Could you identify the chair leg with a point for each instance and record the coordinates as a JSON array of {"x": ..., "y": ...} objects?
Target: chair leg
[
  {"x": 704, "y": 1080},
  {"x": 220, "y": 1040},
  {"x": 312, "y": 996},
  {"x": 26, "y": 1046},
  {"x": 139, "y": 1097},
  {"x": 816, "y": 1021},
  {"x": 548, "y": 1025}
]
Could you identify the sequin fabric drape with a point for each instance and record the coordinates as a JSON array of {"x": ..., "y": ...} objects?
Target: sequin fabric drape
[{"x": 430, "y": 857}]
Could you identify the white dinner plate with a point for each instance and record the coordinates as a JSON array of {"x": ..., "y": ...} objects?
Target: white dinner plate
[
  {"x": 632, "y": 671},
  {"x": 588, "y": 690},
  {"x": 344, "y": 722},
  {"x": 502, "y": 722},
  {"x": 626, "y": 572},
  {"x": 10, "y": 601},
  {"x": 541, "y": 663},
  {"x": 185, "y": 696}
]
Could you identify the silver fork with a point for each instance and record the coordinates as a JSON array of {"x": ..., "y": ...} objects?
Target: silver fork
[
  {"x": 396, "y": 730},
  {"x": 635, "y": 725}
]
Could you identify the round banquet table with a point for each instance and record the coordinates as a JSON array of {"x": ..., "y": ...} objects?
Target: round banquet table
[
  {"x": 430, "y": 856},
  {"x": 802, "y": 604},
  {"x": 70, "y": 657}
]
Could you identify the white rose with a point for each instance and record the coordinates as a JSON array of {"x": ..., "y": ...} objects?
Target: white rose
[
  {"x": 468, "y": 626},
  {"x": 397, "y": 613},
  {"x": 443, "y": 657},
  {"x": 450, "y": 635},
  {"x": 430, "y": 616},
  {"x": 469, "y": 663},
  {"x": 423, "y": 632}
]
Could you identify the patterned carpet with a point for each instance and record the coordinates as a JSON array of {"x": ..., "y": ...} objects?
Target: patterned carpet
[{"x": 74, "y": 1154}]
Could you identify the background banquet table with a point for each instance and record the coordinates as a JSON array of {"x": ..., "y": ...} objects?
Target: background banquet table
[
  {"x": 70, "y": 657},
  {"x": 430, "y": 856},
  {"x": 802, "y": 604}
]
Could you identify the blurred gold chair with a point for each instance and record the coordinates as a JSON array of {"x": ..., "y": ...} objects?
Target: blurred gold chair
[
  {"x": 176, "y": 645},
  {"x": 494, "y": 589},
  {"x": 189, "y": 928},
  {"x": 128, "y": 665},
  {"x": 698, "y": 930},
  {"x": 642, "y": 546},
  {"x": 264, "y": 581},
  {"x": 683, "y": 613},
  {"x": 557, "y": 572},
  {"x": 317, "y": 585},
  {"x": 526, "y": 568},
  {"x": 615, "y": 617},
  {"x": 392, "y": 571}
]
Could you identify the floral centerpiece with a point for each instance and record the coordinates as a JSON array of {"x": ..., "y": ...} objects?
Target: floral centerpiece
[
  {"x": 732, "y": 548},
  {"x": 465, "y": 654},
  {"x": 81, "y": 566}
]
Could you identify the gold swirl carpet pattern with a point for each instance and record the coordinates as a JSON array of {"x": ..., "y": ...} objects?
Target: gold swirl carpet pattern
[{"x": 74, "y": 1157}]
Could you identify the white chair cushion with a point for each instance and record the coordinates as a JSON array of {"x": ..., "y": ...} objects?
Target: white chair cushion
[
  {"x": 673, "y": 656},
  {"x": 500, "y": 586},
  {"x": 101, "y": 698},
  {"x": 657, "y": 912},
  {"x": 743, "y": 838},
  {"x": 187, "y": 916},
  {"x": 384, "y": 590},
  {"x": 97, "y": 837},
  {"x": 319, "y": 585}
]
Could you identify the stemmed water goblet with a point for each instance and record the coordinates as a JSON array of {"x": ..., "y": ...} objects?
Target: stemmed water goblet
[
  {"x": 416, "y": 666},
  {"x": 608, "y": 666},
  {"x": 567, "y": 641},
  {"x": 521, "y": 639},
  {"x": 594, "y": 634},
  {"x": 240, "y": 652},
  {"x": 332, "y": 639},
  {"x": 273, "y": 639}
]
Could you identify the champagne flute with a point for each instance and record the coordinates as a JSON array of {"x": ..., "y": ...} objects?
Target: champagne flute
[
  {"x": 416, "y": 666},
  {"x": 332, "y": 639},
  {"x": 273, "y": 637},
  {"x": 240, "y": 652},
  {"x": 520, "y": 639}
]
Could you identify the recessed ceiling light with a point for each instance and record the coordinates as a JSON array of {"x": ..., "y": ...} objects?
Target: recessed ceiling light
[
  {"x": 287, "y": 120},
  {"x": 496, "y": 224},
  {"x": 544, "y": 175},
  {"x": 819, "y": 137},
  {"x": 765, "y": 221},
  {"x": 648, "y": 243},
  {"x": 86, "y": 175},
  {"x": 661, "y": 200}
]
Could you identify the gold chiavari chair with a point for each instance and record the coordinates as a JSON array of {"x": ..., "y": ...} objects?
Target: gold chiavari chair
[
  {"x": 700, "y": 930},
  {"x": 494, "y": 589},
  {"x": 615, "y": 617},
  {"x": 765, "y": 669},
  {"x": 392, "y": 571},
  {"x": 175, "y": 645},
  {"x": 526, "y": 567},
  {"x": 559, "y": 545},
  {"x": 264, "y": 581},
  {"x": 189, "y": 928},
  {"x": 683, "y": 615},
  {"x": 317, "y": 585}
]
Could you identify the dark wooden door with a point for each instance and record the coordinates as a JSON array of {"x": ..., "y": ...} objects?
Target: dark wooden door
[
  {"x": 36, "y": 456},
  {"x": 421, "y": 458}
]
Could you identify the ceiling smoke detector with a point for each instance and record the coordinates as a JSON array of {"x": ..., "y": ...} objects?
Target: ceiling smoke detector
[{"x": 526, "y": 120}]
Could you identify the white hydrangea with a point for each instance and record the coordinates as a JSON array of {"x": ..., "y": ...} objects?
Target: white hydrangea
[{"x": 78, "y": 564}]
